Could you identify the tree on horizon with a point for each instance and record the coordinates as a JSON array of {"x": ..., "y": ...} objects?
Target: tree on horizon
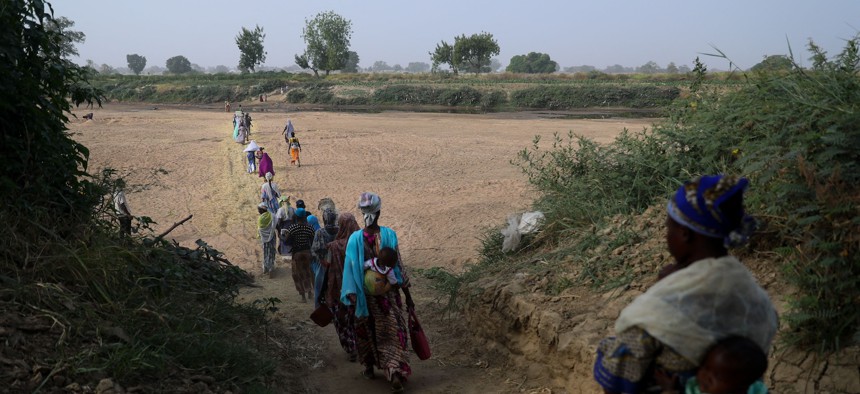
[
  {"x": 251, "y": 52},
  {"x": 136, "y": 63},
  {"x": 327, "y": 37}
]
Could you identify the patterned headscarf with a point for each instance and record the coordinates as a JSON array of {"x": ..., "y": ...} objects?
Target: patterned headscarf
[
  {"x": 697, "y": 205},
  {"x": 369, "y": 203}
]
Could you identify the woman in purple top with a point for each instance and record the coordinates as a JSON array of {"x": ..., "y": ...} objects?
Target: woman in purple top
[{"x": 265, "y": 164}]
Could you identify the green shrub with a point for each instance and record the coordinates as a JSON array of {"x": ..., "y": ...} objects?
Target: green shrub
[
  {"x": 493, "y": 99},
  {"x": 584, "y": 96},
  {"x": 135, "y": 309},
  {"x": 295, "y": 96},
  {"x": 191, "y": 88},
  {"x": 405, "y": 94},
  {"x": 794, "y": 134},
  {"x": 464, "y": 95},
  {"x": 427, "y": 95},
  {"x": 357, "y": 100},
  {"x": 319, "y": 94}
]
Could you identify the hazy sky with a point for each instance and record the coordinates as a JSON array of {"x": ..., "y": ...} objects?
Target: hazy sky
[{"x": 596, "y": 32}]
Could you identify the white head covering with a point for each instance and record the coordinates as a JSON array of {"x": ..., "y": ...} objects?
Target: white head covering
[
  {"x": 252, "y": 147},
  {"x": 269, "y": 176}
]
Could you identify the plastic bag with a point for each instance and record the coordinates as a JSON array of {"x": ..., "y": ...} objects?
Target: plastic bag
[
  {"x": 519, "y": 224},
  {"x": 530, "y": 222},
  {"x": 511, "y": 233}
]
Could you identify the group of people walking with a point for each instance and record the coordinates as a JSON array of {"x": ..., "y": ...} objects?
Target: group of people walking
[
  {"x": 705, "y": 326},
  {"x": 356, "y": 273},
  {"x": 338, "y": 264},
  {"x": 241, "y": 126}
]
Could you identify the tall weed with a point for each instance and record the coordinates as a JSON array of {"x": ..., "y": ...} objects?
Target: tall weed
[{"x": 795, "y": 134}]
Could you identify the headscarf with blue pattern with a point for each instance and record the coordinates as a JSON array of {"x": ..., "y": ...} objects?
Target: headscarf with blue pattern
[{"x": 698, "y": 205}]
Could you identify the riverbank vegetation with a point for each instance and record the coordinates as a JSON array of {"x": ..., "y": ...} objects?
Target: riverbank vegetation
[
  {"x": 793, "y": 133},
  {"x": 82, "y": 306},
  {"x": 485, "y": 92}
]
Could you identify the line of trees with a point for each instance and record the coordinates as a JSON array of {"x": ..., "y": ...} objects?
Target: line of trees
[{"x": 327, "y": 39}]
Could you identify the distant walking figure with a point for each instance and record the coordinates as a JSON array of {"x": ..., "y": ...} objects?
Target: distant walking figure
[
  {"x": 226, "y": 106},
  {"x": 250, "y": 153},
  {"x": 295, "y": 149},
  {"x": 288, "y": 131}
]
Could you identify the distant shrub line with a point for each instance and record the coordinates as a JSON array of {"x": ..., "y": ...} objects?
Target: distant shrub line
[
  {"x": 566, "y": 97},
  {"x": 555, "y": 97},
  {"x": 487, "y": 92}
]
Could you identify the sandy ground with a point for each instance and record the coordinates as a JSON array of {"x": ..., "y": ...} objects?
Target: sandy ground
[{"x": 443, "y": 178}]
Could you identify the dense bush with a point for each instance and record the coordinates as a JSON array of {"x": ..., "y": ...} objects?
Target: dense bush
[
  {"x": 459, "y": 96},
  {"x": 797, "y": 135},
  {"x": 427, "y": 95},
  {"x": 493, "y": 99},
  {"x": 355, "y": 100},
  {"x": 405, "y": 94},
  {"x": 296, "y": 96},
  {"x": 193, "y": 88},
  {"x": 541, "y": 91},
  {"x": 794, "y": 134},
  {"x": 83, "y": 302},
  {"x": 584, "y": 96}
]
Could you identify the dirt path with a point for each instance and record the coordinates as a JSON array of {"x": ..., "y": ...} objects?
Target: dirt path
[{"x": 442, "y": 178}]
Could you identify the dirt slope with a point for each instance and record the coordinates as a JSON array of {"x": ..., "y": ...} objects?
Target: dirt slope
[{"x": 442, "y": 179}]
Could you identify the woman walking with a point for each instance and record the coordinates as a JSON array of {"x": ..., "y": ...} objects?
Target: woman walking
[
  {"x": 269, "y": 194},
  {"x": 380, "y": 325},
  {"x": 250, "y": 154},
  {"x": 265, "y": 163},
  {"x": 266, "y": 224},
  {"x": 322, "y": 237},
  {"x": 706, "y": 296},
  {"x": 344, "y": 321}
]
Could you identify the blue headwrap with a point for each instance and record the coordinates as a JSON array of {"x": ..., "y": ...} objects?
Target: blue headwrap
[
  {"x": 314, "y": 222},
  {"x": 300, "y": 212},
  {"x": 698, "y": 206}
]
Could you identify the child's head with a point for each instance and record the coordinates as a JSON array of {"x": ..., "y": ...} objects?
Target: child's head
[
  {"x": 387, "y": 257},
  {"x": 731, "y": 366}
]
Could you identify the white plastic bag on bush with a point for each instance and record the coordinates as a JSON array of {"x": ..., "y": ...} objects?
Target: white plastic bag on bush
[
  {"x": 530, "y": 222},
  {"x": 511, "y": 233},
  {"x": 519, "y": 224}
]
